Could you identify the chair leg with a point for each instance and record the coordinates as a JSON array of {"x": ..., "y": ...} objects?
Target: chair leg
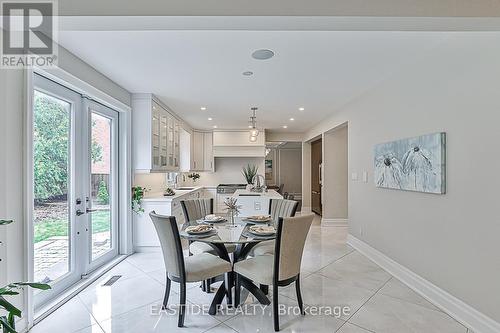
[
  {"x": 275, "y": 309},
  {"x": 228, "y": 282},
  {"x": 167, "y": 293},
  {"x": 237, "y": 289},
  {"x": 299, "y": 295},
  {"x": 265, "y": 289},
  {"x": 182, "y": 305},
  {"x": 208, "y": 286}
]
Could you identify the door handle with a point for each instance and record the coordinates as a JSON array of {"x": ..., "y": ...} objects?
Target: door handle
[
  {"x": 90, "y": 210},
  {"x": 79, "y": 212}
]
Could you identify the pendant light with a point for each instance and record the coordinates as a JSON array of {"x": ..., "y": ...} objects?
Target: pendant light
[{"x": 254, "y": 132}]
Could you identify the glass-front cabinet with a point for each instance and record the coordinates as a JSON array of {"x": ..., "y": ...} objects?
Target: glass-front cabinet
[{"x": 155, "y": 135}]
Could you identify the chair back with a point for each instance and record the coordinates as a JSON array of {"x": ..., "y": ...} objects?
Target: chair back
[
  {"x": 280, "y": 189},
  {"x": 282, "y": 208},
  {"x": 290, "y": 239},
  {"x": 196, "y": 209},
  {"x": 170, "y": 241}
]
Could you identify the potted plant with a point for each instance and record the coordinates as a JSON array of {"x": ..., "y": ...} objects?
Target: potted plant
[
  {"x": 8, "y": 310},
  {"x": 194, "y": 176},
  {"x": 137, "y": 195},
  {"x": 233, "y": 209},
  {"x": 249, "y": 173}
]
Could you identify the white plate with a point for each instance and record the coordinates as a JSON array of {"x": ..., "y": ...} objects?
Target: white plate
[
  {"x": 219, "y": 219},
  {"x": 191, "y": 232},
  {"x": 261, "y": 233},
  {"x": 258, "y": 220}
]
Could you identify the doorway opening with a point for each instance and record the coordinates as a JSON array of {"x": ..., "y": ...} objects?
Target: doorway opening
[
  {"x": 283, "y": 169},
  {"x": 317, "y": 176},
  {"x": 75, "y": 186}
]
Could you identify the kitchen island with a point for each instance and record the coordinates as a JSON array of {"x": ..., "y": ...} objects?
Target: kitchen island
[{"x": 255, "y": 203}]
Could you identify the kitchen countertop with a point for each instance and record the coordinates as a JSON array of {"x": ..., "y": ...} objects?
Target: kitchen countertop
[
  {"x": 159, "y": 197},
  {"x": 271, "y": 194}
]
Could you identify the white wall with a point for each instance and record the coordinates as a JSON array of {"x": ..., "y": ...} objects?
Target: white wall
[
  {"x": 290, "y": 170},
  {"x": 451, "y": 240},
  {"x": 335, "y": 174},
  {"x": 228, "y": 171}
]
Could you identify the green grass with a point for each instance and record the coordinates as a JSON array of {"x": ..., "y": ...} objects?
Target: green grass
[{"x": 52, "y": 228}]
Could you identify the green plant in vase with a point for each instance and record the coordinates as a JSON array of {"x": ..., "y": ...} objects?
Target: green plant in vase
[
  {"x": 137, "y": 195},
  {"x": 249, "y": 173}
]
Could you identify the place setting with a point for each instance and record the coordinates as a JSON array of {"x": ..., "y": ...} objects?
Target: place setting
[
  {"x": 200, "y": 231},
  {"x": 260, "y": 232},
  {"x": 256, "y": 219}
]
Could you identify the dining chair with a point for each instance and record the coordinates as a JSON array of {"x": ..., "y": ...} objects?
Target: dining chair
[
  {"x": 282, "y": 268},
  {"x": 277, "y": 208},
  {"x": 280, "y": 189},
  {"x": 196, "y": 209},
  {"x": 195, "y": 268}
]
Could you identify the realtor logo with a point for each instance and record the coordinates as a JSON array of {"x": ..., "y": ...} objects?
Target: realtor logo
[{"x": 28, "y": 34}]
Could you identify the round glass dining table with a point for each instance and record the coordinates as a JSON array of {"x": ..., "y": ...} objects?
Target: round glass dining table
[{"x": 226, "y": 233}]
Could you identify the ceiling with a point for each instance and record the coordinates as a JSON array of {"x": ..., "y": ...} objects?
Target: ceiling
[{"x": 187, "y": 70}]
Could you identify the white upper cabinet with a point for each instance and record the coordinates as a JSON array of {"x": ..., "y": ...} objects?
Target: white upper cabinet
[
  {"x": 208, "y": 151},
  {"x": 155, "y": 135},
  {"x": 197, "y": 151},
  {"x": 201, "y": 151},
  {"x": 238, "y": 144}
]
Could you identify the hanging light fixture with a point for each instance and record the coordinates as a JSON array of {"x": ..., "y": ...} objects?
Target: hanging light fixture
[{"x": 254, "y": 132}]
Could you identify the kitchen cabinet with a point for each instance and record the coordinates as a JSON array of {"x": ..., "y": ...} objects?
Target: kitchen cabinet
[
  {"x": 238, "y": 144},
  {"x": 144, "y": 232},
  {"x": 201, "y": 151},
  {"x": 155, "y": 135},
  {"x": 208, "y": 153}
]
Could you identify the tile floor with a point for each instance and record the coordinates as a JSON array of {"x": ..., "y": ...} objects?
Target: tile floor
[{"x": 333, "y": 274}]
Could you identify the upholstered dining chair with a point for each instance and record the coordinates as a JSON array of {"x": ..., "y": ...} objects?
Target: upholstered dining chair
[
  {"x": 277, "y": 208},
  {"x": 282, "y": 268},
  {"x": 196, "y": 209},
  {"x": 199, "y": 267}
]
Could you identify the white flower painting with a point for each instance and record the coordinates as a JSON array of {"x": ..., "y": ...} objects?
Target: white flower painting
[{"x": 415, "y": 164}]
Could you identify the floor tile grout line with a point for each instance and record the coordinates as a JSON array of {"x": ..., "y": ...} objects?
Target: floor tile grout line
[
  {"x": 334, "y": 261},
  {"x": 348, "y": 319},
  {"x": 421, "y": 306},
  {"x": 90, "y": 312}
]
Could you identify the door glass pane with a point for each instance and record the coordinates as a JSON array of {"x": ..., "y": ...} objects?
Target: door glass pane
[
  {"x": 101, "y": 159},
  {"x": 52, "y": 156}
]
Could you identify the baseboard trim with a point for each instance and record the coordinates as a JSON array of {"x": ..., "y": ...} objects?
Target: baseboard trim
[
  {"x": 462, "y": 312},
  {"x": 334, "y": 222},
  {"x": 306, "y": 209}
]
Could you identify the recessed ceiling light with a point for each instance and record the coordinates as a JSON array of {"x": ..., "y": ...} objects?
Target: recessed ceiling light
[
  {"x": 292, "y": 119},
  {"x": 284, "y": 126},
  {"x": 248, "y": 73},
  {"x": 301, "y": 109},
  {"x": 203, "y": 108},
  {"x": 263, "y": 54},
  {"x": 209, "y": 118},
  {"x": 249, "y": 126},
  {"x": 215, "y": 126}
]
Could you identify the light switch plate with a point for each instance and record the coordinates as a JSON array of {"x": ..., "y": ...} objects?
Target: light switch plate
[{"x": 354, "y": 176}]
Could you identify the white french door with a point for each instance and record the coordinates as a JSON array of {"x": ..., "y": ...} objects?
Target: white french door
[{"x": 75, "y": 186}]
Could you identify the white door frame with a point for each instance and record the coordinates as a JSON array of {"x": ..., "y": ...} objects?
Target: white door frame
[{"x": 125, "y": 168}]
